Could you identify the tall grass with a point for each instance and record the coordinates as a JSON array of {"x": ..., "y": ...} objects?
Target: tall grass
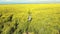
[{"x": 15, "y": 20}]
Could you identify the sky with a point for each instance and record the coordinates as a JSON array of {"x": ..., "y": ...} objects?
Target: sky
[{"x": 29, "y": 1}]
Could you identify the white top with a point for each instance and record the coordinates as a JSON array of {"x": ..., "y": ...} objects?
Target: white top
[{"x": 29, "y": 18}]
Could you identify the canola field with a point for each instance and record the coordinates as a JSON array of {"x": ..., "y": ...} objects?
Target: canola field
[{"x": 44, "y": 19}]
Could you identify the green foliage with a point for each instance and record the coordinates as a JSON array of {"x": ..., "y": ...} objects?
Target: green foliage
[{"x": 16, "y": 22}]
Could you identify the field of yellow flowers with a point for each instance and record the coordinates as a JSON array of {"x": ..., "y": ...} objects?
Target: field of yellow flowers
[{"x": 30, "y": 19}]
